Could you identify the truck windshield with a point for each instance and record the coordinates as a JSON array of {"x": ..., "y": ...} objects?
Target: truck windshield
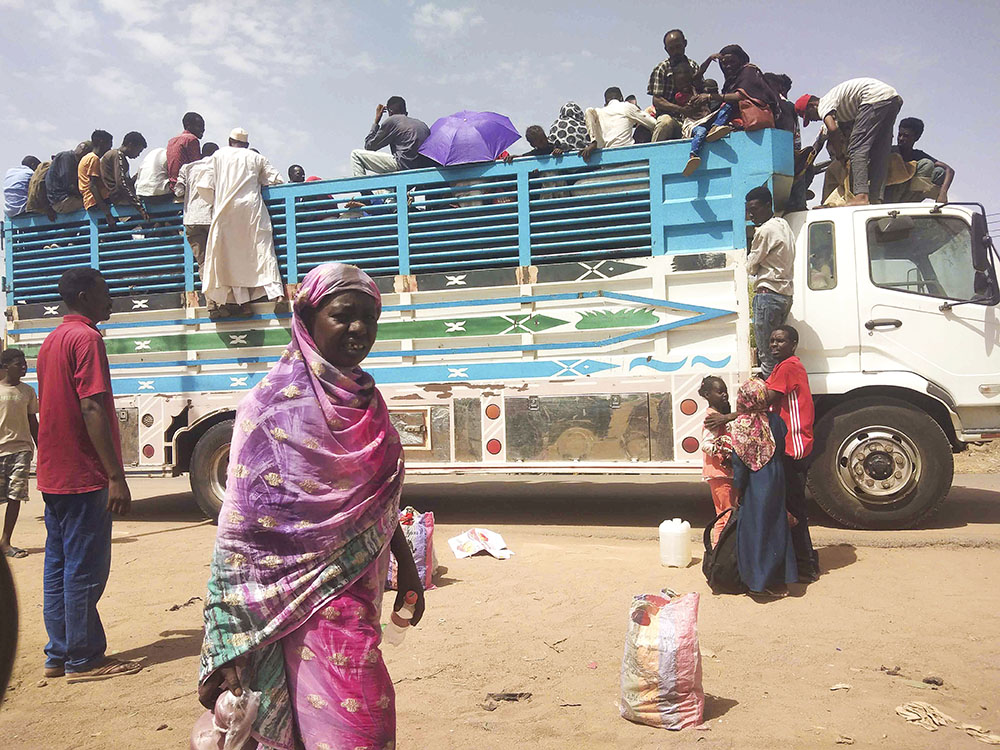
[{"x": 928, "y": 255}]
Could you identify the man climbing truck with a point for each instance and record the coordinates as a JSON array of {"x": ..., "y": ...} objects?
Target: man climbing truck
[{"x": 556, "y": 316}]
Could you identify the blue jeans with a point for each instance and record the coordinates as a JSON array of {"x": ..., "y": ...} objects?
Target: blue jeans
[
  {"x": 769, "y": 312},
  {"x": 698, "y": 134},
  {"x": 77, "y": 564}
]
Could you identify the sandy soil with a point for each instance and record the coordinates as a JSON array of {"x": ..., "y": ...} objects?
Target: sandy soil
[
  {"x": 537, "y": 622},
  {"x": 979, "y": 459}
]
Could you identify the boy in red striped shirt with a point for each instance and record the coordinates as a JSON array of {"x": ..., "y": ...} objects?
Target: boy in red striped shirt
[{"x": 789, "y": 395}]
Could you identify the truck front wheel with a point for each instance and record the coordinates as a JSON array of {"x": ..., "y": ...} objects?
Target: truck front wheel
[
  {"x": 209, "y": 463},
  {"x": 880, "y": 464}
]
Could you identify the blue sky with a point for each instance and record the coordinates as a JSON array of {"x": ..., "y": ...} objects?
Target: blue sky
[{"x": 304, "y": 76}]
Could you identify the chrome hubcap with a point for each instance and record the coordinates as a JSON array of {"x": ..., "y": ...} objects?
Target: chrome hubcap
[
  {"x": 217, "y": 475},
  {"x": 878, "y": 464}
]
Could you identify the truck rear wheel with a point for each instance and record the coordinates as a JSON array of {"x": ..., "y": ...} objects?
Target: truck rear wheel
[
  {"x": 881, "y": 464},
  {"x": 209, "y": 463}
]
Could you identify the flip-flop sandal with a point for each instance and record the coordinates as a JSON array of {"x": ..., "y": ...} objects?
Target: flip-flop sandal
[
  {"x": 16, "y": 552},
  {"x": 110, "y": 668}
]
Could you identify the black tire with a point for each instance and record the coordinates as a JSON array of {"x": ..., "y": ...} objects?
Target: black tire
[
  {"x": 8, "y": 625},
  {"x": 209, "y": 463},
  {"x": 858, "y": 442}
]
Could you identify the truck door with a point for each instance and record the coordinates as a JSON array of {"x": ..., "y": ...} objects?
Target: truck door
[{"x": 916, "y": 262}]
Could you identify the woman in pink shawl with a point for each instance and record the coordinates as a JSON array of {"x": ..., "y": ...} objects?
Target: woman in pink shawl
[{"x": 310, "y": 515}]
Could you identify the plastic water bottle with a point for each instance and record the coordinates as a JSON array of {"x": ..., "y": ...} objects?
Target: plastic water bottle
[
  {"x": 675, "y": 543},
  {"x": 399, "y": 620}
]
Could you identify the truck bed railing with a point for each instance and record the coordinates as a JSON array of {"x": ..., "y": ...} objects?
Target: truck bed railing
[{"x": 625, "y": 202}]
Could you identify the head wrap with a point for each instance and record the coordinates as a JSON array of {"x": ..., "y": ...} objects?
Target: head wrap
[
  {"x": 570, "y": 128},
  {"x": 737, "y": 51},
  {"x": 312, "y": 500},
  {"x": 751, "y": 433}
]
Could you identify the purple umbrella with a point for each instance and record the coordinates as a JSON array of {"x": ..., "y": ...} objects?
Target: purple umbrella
[{"x": 467, "y": 137}]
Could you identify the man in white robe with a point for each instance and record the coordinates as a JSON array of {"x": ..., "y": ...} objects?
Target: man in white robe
[{"x": 240, "y": 262}]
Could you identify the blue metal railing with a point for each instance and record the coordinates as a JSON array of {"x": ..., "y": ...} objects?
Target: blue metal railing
[{"x": 625, "y": 202}]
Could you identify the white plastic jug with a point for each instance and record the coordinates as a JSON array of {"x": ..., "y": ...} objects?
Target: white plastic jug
[{"x": 675, "y": 543}]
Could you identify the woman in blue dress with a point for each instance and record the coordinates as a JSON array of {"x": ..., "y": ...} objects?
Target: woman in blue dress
[{"x": 764, "y": 541}]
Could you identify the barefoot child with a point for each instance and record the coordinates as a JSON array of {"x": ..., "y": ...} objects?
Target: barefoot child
[
  {"x": 18, "y": 436},
  {"x": 716, "y": 450}
]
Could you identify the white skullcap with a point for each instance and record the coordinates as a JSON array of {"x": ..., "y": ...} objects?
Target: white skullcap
[{"x": 239, "y": 134}]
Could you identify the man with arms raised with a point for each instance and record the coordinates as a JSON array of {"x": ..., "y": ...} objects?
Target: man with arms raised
[
  {"x": 401, "y": 133},
  {"x": 81, "y": 478}
]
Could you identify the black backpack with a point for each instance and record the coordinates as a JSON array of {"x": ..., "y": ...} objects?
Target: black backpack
[{"x": 720, "y": 565}]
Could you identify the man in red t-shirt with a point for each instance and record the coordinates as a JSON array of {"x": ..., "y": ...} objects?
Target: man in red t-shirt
[
  {"x": 789, "y": 395},
  {"x": 81, "y": 478},
  {"x": 185, "y": 148}
]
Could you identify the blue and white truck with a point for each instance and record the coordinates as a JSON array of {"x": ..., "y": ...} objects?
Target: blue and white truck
[{"x": 557, "y": 316}]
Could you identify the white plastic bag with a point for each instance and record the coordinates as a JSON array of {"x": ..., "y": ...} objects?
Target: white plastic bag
[{"x": 228, "y": 726}]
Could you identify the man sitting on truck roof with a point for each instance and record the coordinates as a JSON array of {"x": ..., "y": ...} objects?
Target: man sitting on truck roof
[
  {"x": 62, "y": 185},
  {"x": 91, "y": 184},
  {"x": 540, "y": 145},
  {"x": 15, "y": 185},
  {"x": 867, "y": 108},
  {"x": 669, "y": 114},
  {"x": 928, "y": 168},
  {"x": 401, "y": 133},
  {"x": 770, "y": 260},
  {"x": 611, "y": 125},
  {"x": 115, "y": 172}
]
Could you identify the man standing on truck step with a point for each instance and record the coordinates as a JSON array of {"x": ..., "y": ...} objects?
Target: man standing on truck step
[
  {"x": 401, "y": 133},
  {"x": 866, "y": 109},
  {"x": 789, "y": 395},
  {"x": 770, "y": 261},
  {"x": 669, "y": 114},
  {"x": 91, "y": 184},
  {"x": 116, "y": 175},
  {"x": 198, "y": 211},
  {"x": 81, "y": 478},
  {"x": 240, "y": 263},
  {"x": 185, "y": 148}
]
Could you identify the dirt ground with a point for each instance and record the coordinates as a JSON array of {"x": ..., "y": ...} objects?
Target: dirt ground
[
  {"x": 551, "y": 621},
  {"x": 979, "y": 459}
]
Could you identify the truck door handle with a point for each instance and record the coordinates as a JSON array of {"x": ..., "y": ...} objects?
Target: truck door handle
[{"x": 871, "y": 325}]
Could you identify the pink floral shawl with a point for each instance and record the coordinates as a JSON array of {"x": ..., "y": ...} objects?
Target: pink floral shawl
[{"x": 312, "y": 499}]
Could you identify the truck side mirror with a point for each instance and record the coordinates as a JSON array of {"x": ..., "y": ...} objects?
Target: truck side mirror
[{"x": 985, "y": 285}]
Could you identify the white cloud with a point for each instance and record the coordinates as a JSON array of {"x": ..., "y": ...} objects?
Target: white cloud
[
  {"x": 432, "y": 22},
  {"x": 152, "y": 42}
]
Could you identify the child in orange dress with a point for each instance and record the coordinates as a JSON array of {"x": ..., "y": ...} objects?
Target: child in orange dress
[{"x": 716, "y": 451}]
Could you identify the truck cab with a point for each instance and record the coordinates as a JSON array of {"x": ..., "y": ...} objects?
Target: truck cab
[{"x": 896, "y": 310}]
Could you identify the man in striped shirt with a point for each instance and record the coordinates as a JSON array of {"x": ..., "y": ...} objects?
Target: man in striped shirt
[{"x": 789, "y": 395}]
